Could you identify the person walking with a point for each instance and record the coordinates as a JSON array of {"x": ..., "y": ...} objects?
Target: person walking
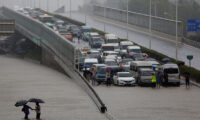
[
  {"x": 93, "y": 71},
  {"x": 153, "y": 80},
  {"x": 37, "y": 110},
  {"x": 158, "y": 79},
  {"x": 187, "y": 80},
  {"x": 166, "y": 78},
  {"x": 79, "y": 36},
  {"x": 25, "y": 109},
  {"x": 108, "y": 79}
]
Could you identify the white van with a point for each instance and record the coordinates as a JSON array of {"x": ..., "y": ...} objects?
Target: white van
[
  {"x": 173, "y": 73},
  {"x": 123, "y": 47},
  {"x": 136, "y": 65},
  {"x": 88, "y": 62},
  {"x": 110, "y": 47},
  {"x": 111, "y": 38}
]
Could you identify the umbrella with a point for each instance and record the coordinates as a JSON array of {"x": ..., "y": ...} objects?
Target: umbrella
[
  {"x": 36, "y": 100},
  {"x": 165, "y": 59},
  {"x": 108, "y": 69},
  {"x": 155, "y": 66},
  {"x": 21, "y": 103}
]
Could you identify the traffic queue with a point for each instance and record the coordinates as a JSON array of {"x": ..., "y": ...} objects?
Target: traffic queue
[{"x": 109, "y": 60}]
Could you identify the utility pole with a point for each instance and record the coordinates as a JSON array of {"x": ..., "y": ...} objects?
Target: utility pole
[
  {"x": 70, "y": 7},
  {"x": 127, "y": 19},
  {"x": 104, "y": 15},
  {"x": 150, "y": 24},
  {"x": 47, "y": 5},
  {"x": 176, "y": 29}
]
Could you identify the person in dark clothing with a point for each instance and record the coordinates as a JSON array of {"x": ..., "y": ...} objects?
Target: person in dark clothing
[
  {"x": 38, "y": 111},
  {"x": 187, "y": 80},
  {"x": 108, "y": 81},
  {"x": 25, "y": 109},
  {"x": 166, "y": 78}
]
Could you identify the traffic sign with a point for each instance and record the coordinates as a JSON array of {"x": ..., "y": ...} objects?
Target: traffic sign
[
  {"x": 193, "y": 25},
  {"x": 190, "y": 57}
]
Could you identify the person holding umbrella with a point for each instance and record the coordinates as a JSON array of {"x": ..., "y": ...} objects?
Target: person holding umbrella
[
  {"x": 25, "y": 108},
  {"x": 37, "y": 106}
]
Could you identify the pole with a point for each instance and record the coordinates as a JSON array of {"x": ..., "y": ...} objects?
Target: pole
[
  {"x": 39, "y": 4},
  {"x": 70, "y": 7},
  {"x": 127, "y": 19},
  {"x": 104, "y": 15},
  {"x": 176, "y": 29},
  {"x": 150, "y": 25},
  {"x": 47, "y": 5}
]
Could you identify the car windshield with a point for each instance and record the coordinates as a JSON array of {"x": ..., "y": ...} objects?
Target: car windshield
[
  {"x": 124, "y": 47},
  {"x": 108, "y": 48},
  {"x": 86, "y": 30},
  {"x": 102, "y": 70},
  {"x": 96, "y": 39},
  {"x": 124, "y": 75},
  {"x": 138, "y": 56},
  {"x": 147, "y": 73},
  {"x": 89, "y": 64},
  {"x": 112, "y": 41},
  {"x": 126, "y": 60},
  {"x": 135, "y": 50},
  {"x": 111, "y": 63},
  {"x": 171, "y": 70}
]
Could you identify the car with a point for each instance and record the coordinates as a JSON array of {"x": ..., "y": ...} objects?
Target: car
[
  {"x": 88, "y": 62},
  {"x": 124, "y": 79},
  {"x": 74, "y": 29},
  {"x": 111, "y": 38},
  {"x": 123, "y": 47},
  {"x": 112, "y": 63}
]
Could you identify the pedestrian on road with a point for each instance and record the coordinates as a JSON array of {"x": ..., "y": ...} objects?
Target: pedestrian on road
[
  {"x": 153, "y": 80},
  {"x": 37, "y": 110},
  {"x": 158, "y": 79},
  {"x": 166, "y": 78},
  {"x": 25, "y": 109},
  {"x": 79, "y": 36},
  {"x": 93, "y": 71},
  {"x": 108, "y": 81},
  {"x": 187, "y": 80}
]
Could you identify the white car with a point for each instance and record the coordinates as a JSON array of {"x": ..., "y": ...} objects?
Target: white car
[{"x": 124, "y": 78}]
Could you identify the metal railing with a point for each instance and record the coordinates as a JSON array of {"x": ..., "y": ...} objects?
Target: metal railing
[{"x": 160, "y": 24}]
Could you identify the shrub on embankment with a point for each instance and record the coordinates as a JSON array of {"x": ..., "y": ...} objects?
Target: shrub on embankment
[{"x": 195, "y": 74}]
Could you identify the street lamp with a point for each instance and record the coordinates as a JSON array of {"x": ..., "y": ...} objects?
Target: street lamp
[
  {"x": 127, "y": 19},
  {"x": 150, "y": 25},
  {"x": 176, "y": 29},
  {"x": 104, "y": 15},
  {"x": 70, "y": 7}
]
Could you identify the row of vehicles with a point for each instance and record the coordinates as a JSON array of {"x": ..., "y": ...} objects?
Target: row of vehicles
[{"x": 124, "y": 61}]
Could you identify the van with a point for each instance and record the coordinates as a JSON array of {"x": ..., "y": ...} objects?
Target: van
[
  {"x": 100, "y": 75},
  {"x": 136, "y": 65},
  {"x": 110, "y": 47},
  {"x": 111, "y": 38},
  {"x": 145, "y": 75},
  {"x": 93, "y": 34},
  {"x": 123, "y": 47},
  {"x": 95, "y": 42},
  {"x": 88, "y": 62},
  {"x": 173, "y": 73}
]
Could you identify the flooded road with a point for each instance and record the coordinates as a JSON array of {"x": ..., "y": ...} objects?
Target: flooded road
[
  {"x": 146, "y": 103},
  {"x": 22, "y": 79}
]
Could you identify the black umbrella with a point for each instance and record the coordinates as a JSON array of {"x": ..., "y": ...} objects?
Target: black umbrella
[
  {"x": 36, "y": 100},
  {"x": 21, "y": 103}
]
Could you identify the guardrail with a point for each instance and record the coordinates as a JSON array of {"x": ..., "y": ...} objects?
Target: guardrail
[
  {"x": 160, "y": 24},
  {"x": 63, "y": 50}
]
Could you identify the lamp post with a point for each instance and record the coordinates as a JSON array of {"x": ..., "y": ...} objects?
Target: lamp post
[
  {"x": 104, "y": 15},
  {"x": 70, "y": 8},
  {"x": 176, "y": 29},
  {"x": 127, "y": 17},
  {"x": 150, "y": 24}
]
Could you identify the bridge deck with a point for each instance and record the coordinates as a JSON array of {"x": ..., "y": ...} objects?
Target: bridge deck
[{"x": 22, "y": 79}]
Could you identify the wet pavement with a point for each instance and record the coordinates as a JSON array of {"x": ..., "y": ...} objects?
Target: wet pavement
[
  {"x": 146, "y": 103},
  {"x": 23, "y": 79},
  {"x": 167, "y": 47}
]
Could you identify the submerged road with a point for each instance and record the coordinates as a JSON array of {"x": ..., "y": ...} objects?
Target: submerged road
[
  {"x": 146, "y": 103},
  {"x": 167, "y": 47},
  {"x": 23, "y": 79}
]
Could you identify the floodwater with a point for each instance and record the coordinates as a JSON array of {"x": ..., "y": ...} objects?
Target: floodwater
[{"x": 23, "y": 79}]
